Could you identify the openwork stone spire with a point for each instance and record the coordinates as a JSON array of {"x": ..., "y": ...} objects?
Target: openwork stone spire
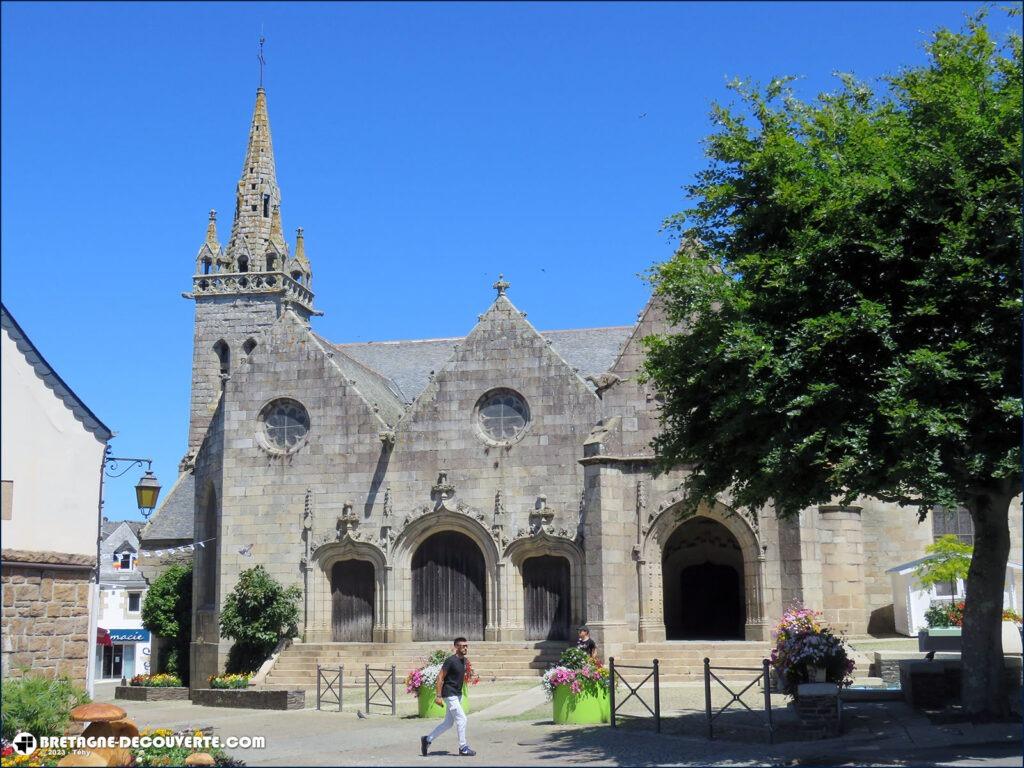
[
  {"x": 257, "y": 258},
  {"x": 257, "y": 194}
]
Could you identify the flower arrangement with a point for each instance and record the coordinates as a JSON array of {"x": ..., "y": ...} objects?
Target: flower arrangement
[
  {"x": 803, "y": 641},
  {"x": 156, "y": 681},
  {"x": 941, "y": 615},
  {"x": 578, "y": 671},
  {"x": 1011, "y": 615},
  {"x": 426, "y": 675},
  {"x": 229, "y": 681}
]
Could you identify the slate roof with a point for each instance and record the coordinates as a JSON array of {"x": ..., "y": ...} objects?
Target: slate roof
[
  {"x": 175, "y": 517},
  {"x": 409, "y": 363},
  {"x": 109, "y": 526},
  {"x": 52, "y": 379},
  {"x": 378, "y": 390}
]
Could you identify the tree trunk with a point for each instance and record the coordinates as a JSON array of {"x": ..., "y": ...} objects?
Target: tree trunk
[{"x": 984, "y": 693}]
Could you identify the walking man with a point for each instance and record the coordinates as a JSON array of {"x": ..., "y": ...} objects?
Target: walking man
[{"x": 449, "y": 695}]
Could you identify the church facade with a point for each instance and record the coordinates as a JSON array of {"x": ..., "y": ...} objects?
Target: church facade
[{"x": 500, "y": 486}]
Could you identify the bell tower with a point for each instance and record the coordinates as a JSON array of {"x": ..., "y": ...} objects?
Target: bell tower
[{"x": 243, "y": 288}]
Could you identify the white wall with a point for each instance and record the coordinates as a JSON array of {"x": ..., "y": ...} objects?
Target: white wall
[{"x": 53, "y": 461}]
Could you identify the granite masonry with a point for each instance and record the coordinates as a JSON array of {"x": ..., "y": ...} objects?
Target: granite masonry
[{"x": 499, "y": 485}]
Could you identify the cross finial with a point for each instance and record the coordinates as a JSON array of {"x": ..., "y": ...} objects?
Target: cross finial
[
  {"x": 501, "y": 285},
  {"x": 213, "y": 215},
  {"x": 260, "y": 57}
]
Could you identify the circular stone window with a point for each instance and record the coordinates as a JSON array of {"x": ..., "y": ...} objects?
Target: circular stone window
[
  {"x": 502, "y": 415},
  {"x": 285, "y": 424}
]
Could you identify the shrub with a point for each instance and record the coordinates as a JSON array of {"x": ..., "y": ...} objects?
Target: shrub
[
  {"x": 803, "y": 641},
  {"x": 589, "y": 679},
  {"x": 229, "y": 681},
  {"x": 39, "y": 705},
  {"x": 167, "y": 612},
  {"x": 257, "y": 613},
  {"x": 156, "y": 681}
]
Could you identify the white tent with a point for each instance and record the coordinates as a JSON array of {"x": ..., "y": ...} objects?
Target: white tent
[{"x": 910, "y": 599}]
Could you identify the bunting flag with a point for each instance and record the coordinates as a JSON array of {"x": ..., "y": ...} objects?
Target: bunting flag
[{"x": 158, "y": 553}]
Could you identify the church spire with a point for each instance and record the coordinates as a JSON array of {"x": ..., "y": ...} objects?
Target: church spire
[{"x": 257, "y": 194}]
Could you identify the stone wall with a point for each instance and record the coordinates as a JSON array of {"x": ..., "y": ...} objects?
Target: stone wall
[
  {"x": 46, "y": 614},
  {"x": 248, "y": 698}
]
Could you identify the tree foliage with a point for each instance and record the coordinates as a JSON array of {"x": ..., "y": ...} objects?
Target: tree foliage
[
  {"x": 167, "y": 613},
  {"x": 854, "y": 303},
  {"x": 257, "y": 613},
  {"x": 950, "y": 560},
  {"x": 850, "y": 299}
]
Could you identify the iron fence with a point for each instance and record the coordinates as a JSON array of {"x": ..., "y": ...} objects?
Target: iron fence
[
  {"x": 634, "y": 691},
  {"x": 328, "y": 683},
  {"x": 763, "y": 676},
  {"x": 379, "y": 688}
]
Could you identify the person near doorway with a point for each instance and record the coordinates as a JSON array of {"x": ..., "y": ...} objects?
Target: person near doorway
[
  {"x": 586, "y": 644},
  {"x": 449, "y": 695}
]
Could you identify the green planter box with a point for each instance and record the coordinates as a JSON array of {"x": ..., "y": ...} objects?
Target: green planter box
[
  {"x": 583, "y": 708},
  {"x": 427, "y": 707}
]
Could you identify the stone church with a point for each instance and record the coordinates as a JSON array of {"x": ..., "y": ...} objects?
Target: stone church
[{"x": 498, "y": 486}]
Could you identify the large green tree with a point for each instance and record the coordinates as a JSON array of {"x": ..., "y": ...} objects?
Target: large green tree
[{"x": 850, "y": 306}]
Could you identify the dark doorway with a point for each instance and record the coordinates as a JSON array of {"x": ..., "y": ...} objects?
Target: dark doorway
[
  {"x": 713, "y": 609},
  {"x": 352, "y": 601},
  {"x": 448, "y": 588},
  {"x": 547, "y": 598},
  {"x": 702, "y": 576}
]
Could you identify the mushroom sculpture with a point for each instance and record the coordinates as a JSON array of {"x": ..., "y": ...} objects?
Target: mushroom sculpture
[{"x": 104, "y": 720}]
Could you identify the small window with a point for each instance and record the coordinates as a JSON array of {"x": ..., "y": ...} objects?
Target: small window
[
  {"x": 206, "y": 265},
  {"x": 134, "y": 602},
  {"x": 243, "y": 261},
  {"x": 953, "y": 521},
  {"x": 249, "y": 346},
  {"x": 124, "y": 561},
  {"x": 224, "y": 356},
  {"x": 271, "y": 262},
  {"x": 297, "y": 277},
  {"x": 266, "y": 206}
]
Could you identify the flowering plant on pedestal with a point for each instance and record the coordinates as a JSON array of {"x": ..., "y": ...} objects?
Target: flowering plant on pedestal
[
  {"x": 420, "y": 682},
  {"x": 578, "y": 689},
  {"x": 804, "y": 643}
]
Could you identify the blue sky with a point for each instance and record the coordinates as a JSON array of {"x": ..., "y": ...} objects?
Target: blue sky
[{"x": 424, "y": 148}]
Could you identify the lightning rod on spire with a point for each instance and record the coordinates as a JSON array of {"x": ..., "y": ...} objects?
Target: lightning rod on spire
[{"x": 260, "y": 57}]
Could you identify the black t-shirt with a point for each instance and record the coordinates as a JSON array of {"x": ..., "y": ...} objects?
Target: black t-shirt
[
  {"x": 587, "y": 646},
  {"x": 454, "y": 670}
]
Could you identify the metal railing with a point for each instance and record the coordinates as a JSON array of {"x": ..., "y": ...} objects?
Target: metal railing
[
  {"x": 389, "y": 677},
  {"x": 327, "y": 683},
  {"x": 634, "y": 691},
  {"x": 763, "y": 676}
]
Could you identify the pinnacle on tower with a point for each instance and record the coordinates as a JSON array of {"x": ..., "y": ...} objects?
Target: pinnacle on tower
[
  {"x": 257, "y": 194},
  {"x": 210, "y": 257}
]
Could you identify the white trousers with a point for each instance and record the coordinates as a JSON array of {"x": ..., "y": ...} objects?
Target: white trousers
[{"x": 452, "y": 716}]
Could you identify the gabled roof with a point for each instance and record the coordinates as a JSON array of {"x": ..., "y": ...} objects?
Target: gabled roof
[
  {"x": 409, "y": 364},
  {"x": 108, "y": 527},
  {"x": 378, "y": 390},
  {"x": 175, "y": 517},
  {"x": 52, "y": 379}
]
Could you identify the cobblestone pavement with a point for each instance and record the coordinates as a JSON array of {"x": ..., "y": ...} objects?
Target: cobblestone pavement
[{"x": 513, "y": 727}]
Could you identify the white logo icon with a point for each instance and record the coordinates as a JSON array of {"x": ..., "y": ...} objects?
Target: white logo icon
[{"x": 24, "y": 743}]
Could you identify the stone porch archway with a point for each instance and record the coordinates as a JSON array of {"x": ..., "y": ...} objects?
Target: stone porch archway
[{"x": 652, "y": 585}]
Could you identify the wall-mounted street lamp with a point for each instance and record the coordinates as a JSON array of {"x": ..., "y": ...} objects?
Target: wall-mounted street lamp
[{"x": 147, "y": 490}]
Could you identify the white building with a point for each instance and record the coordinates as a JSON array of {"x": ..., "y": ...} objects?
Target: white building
[
  {"x": 50, "y": 461},
  {"x": 124, "y": 645},
  {"x": 911, "y": 599}
]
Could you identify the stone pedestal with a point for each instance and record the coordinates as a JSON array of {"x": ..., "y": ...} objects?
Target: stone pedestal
[{"x": 817, "y": 705}]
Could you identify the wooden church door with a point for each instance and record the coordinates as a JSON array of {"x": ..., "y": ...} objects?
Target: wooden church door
[{"x": 352, "y": 592}]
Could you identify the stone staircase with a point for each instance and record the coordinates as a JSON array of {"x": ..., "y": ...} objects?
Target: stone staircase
[
  {"x": 680, "y": 661},
  {"x": 296, "y": 666},
  {"x": 683, "y": 660}
]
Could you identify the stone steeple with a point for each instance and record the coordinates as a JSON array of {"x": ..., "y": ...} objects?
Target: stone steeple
[
  {"x": 257, "y": 196},
  {"x": 257, "y": 248}
]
